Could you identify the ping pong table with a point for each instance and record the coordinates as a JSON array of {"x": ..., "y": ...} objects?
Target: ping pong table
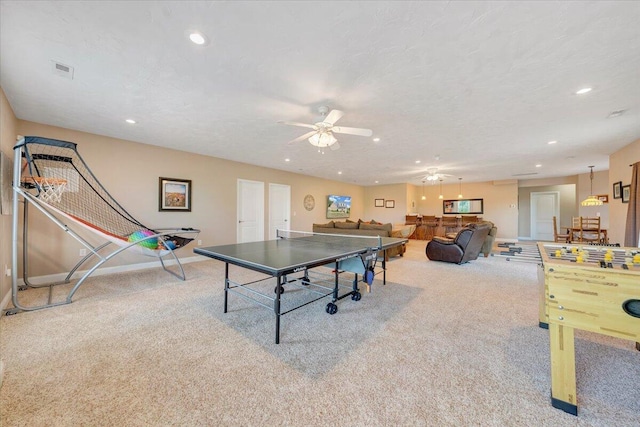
[{"x": 296, "y": 253}]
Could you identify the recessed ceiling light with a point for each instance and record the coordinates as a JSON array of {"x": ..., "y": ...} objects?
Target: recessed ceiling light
[
  {"x": 417, "y": 161},
  {"x": 340, "y": 173},
  {"x": 287, "y": 160},
  {"x": 552, "y": 142},
  {"x": 198, "y": 38},
  {"x": 583, "y": 91},
  {"x": 376, "y": 182},
  {"x": 133, "y": 122},
  {"x": 538, "y": 165},
  {"x": 376, "y": 139}
]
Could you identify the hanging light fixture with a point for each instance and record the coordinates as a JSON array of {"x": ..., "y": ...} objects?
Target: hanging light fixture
[
  {"x": 440, "y": 196},
  {"x": 591, "y": 200},
  {"x": 423, "y": 196},
  {"x": 460, "y": 193}
]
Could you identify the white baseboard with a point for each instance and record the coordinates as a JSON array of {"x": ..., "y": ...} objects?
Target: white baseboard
[
  {"x": 49, "y": 278},
  {"x": 5, "y": 301}
]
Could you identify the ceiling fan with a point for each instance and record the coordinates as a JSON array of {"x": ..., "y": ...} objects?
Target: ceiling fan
[
  {"x": 322, "y": 134},
  {"x": 433, "y": 175}
]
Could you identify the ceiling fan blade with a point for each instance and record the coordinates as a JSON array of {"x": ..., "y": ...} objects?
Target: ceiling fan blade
[
  {"x": 334, "y": 146},
  {"x": 333, "y": 116},
  {"x": 304, "y": 125},
  {"x": 352, "y": 131},
  {"x": 302, "y": 137}
]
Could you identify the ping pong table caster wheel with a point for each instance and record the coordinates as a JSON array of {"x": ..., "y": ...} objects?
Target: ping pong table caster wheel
[
  {"x": 332, "y": 308},
  {"x": 275, "y": 290},
  {"x": 356, "y": 296}
]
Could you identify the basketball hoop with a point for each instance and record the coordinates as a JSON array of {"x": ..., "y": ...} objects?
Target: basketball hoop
[{"x": 49, "y": 189}]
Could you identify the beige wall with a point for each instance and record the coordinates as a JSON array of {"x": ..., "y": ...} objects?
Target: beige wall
[
  {"x": 396, "y": 192},
  {"x": 568, "y": 210},
  {"x": 130, "y": 172},
  {"x": 619, "y": 170},
  {"x": 8, "y": 125},
  {"x": 500, "y": 199},
  {"x": 573, "y": 189}
]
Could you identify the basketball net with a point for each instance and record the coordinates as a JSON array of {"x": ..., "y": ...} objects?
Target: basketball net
[{"x": 51, "y": 189}]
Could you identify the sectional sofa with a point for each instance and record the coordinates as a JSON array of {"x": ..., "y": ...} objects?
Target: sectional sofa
[{"x": 362, "y": 228}]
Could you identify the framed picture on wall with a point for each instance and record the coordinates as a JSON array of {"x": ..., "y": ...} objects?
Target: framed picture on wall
[
  {"x": 604, "y": 198},
  {"x": 175, "y": 195},
  {"x": 617, "y": 190},
  {"x": 626, "y": 193},
  {"x": 379, "y": 203},
  {"x": 390, "y": 204}
]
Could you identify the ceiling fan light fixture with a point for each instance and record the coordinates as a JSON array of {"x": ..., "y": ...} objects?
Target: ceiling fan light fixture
[{"x": 322, "y": 139}]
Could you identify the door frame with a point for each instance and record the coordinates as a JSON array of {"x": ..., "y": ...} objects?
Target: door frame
[
  {"x": 271, "y": 205},
  {"x": 259, "y": 206},
  {"x": 532, "y": 216}
]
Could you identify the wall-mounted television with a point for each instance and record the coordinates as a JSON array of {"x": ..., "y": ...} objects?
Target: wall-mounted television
[{"x": 338, "y": 206}]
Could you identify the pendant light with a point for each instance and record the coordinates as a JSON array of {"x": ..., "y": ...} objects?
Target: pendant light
[
  {"x": 423, "y": 196},
  {"x": 460, "y": 193},
  {"x": 441, "y": 196},
  {"x": 591, "y": 200}
]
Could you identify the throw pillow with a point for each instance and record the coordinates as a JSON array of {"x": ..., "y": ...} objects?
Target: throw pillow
[
  {"x": 330, "y": 224},
  {"x": 385, "y": 227},
  {"x": 347, "y": 225}
]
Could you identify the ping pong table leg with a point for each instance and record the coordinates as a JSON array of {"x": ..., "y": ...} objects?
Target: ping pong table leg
[
  {"x": 384, "y": 270},
  {"x": 276, "y": 305},
  {"x": 226, "y": 285}
]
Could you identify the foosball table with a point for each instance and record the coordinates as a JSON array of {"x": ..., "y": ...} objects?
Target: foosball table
[{"x": 593, "y": 288}]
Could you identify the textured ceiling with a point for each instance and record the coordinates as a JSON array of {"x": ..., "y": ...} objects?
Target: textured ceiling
[{"x": 476, "y": 89}]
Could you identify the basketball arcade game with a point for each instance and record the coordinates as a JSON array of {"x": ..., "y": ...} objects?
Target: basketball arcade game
[
  {"x": 293, "y": 260},
  {"x": 51, "y": 176},
  {"x": 592, "y": 288}
]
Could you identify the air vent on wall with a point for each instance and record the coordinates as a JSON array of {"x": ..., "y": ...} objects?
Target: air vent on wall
[
  {"x": 62, "y": 70},
  {"x": 525, "y": 174}
]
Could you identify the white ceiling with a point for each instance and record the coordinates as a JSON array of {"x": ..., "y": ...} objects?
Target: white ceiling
[{"x": 483, "y": 86}]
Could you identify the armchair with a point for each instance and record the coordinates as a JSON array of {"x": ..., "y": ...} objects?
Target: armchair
[{"x": 464, "y": 247}]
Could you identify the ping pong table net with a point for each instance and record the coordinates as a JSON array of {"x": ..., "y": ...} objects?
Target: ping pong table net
[{"x": 346, "y": 240}]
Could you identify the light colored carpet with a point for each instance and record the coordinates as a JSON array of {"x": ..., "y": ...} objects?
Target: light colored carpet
[{"x": 439, "y": 345}]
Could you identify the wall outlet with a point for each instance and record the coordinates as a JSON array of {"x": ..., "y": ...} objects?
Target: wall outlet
[
  {"x": 199, "y": 242},
  {"x": 83, "y": 252},
  {"x": 7, "y": 271}
]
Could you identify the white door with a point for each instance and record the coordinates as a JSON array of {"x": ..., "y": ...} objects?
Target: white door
[
  {"x": 279, "y": 208},
  {"x": 250, "y": 211},
  {"x": 544, "y": 206}
]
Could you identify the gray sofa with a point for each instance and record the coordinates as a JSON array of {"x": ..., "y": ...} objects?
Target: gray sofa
[{"x": 362, "y": 228}]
